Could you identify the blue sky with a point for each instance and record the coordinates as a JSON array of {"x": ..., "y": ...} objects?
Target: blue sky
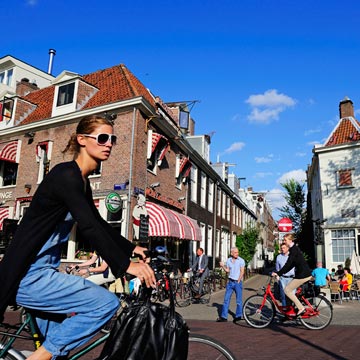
[{"x": 268, "y": 76}]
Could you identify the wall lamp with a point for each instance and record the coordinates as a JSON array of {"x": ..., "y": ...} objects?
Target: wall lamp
[
  {"x": 154, "y": 185},
  {"x": 27, "y": 188},
  {"x": 30, "y": 136},
  {"x": 181, "y": 198}
]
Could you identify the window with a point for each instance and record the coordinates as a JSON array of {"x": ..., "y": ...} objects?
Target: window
[
  {"x": 194, "y": 183},
  {"x": 65, "y": 94},
  {"x": 203, "y": 190},
  {"x": 43, "y": 157},
  {"x": 344, "y": 178},
  {"x": 343, "y": 244},
  {"x": 211, "y": 196},
  {"x": 8, "y": 173},
  {"x": 218, "y": 201},
  {"x": 6, "y": 77},
  {"x": 158, "y": 145}
]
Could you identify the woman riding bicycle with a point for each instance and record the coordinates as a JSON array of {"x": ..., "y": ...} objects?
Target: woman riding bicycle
[
  {"x": 29, "y": 269},
  {"x": 302, "y": 271}
]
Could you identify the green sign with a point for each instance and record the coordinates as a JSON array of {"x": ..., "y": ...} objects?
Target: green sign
[{"x": 113, "y": 202}]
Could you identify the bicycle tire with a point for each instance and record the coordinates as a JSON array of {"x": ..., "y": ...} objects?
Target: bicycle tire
[
  {"x": 183, "y": 296},
  {"x": 323, "y": 317},
  {"x": 254, "y": 316},
  {"x": 12, "y": 354},
  {"x": 206, "y": 293},
  {"x": 202, "y": 347}
]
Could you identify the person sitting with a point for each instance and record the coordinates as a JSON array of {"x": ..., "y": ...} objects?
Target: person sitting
[{"x": 339, "y": 272}]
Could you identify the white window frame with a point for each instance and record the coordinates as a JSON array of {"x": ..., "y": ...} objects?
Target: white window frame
[
  {"x": 211, "y": 196},
  {"x": 6, "y": 77},
  {"x": 343, "y": 242},
  {"x": 194, "y": 183},
  {"x": 203, "y": 190},
  {"x": 40, "y": 158}
]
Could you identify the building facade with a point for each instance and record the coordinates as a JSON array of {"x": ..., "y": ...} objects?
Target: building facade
[{"x": 333, "y": 180}]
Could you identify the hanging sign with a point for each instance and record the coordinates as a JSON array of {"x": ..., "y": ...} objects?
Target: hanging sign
[{"x": 113, "y": 202}]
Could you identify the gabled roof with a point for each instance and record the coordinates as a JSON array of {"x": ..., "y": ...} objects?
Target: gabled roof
[
  {"x": 347, "y": 130},
  {"x": 115, "y": 84}
]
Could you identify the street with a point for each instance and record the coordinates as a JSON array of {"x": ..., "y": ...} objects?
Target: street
[{"x": 289, "y": 339}]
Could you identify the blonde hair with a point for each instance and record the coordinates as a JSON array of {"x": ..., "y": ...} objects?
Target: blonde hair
[
  {"x": 290, "y": 236},
  {"x": 86, "y": 126}
]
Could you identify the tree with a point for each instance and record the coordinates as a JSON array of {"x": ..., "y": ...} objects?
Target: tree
[
  {"x": 247, "y": 241},
  {"x": 295, "y": 209}
]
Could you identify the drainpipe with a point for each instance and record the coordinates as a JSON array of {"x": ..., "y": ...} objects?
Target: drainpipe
[{"x": 131, "y": 171}]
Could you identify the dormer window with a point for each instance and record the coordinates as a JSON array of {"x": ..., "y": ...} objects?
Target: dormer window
[
  {"x": 6, "y": 77},
  {"x": 65, "y": 94}
]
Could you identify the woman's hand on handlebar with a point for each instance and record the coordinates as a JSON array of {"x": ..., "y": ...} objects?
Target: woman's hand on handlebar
[
  {"x": 143, "y": 271},
  {"x": 142, "y": 252}
]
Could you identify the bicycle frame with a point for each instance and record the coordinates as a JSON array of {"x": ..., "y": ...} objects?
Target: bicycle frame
[
  {"x": 36, "y": 338},
  {"x": 289, "y": 311}
]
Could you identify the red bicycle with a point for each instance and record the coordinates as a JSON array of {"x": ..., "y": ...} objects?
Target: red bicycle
[{"x": 260, "y": 310}]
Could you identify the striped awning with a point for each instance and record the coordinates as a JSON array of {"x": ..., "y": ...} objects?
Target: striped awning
[
  {"x": 9, "y": 151},
  {"x": 164, "y": 222},
  {"x": 4, "y": 214}
]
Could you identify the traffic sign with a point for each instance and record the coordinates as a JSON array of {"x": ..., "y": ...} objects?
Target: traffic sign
[{"x": 285, "y": 225}]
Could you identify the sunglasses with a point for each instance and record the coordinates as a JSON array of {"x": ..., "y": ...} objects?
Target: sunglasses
[{"x": 102, "y": 139}]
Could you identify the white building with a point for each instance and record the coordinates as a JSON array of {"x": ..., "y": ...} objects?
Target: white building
[{"x": 334, "y": 187}]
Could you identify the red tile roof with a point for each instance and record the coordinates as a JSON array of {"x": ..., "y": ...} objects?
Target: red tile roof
[
  {"x": 344, "y": 132},
  {"x": 114, "y": 84}
]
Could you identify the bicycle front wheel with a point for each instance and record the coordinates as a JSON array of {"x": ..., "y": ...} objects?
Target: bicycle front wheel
[
  {"x": 183, "y": 295},
  {"x": 202, "y": 347},
  {"x": 11, "y": 354},
  {"x": 320, "y": 316},
  {"x": 256, "y": 314},
  {"x": 206, "y": 293}
]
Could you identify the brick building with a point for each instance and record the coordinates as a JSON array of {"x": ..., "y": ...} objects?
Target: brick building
[{"x": 162, "y": 186}]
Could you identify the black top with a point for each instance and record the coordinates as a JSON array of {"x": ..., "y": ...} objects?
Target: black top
[
  {"x": 61, "y": 191},
  {"x": 296, "y": 260}
]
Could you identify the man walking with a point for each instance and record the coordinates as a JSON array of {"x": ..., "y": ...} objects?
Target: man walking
[{"x": 235, "y": 267}]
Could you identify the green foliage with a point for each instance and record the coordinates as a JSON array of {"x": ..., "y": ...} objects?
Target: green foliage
[
  {"x": 347, "y": 262},
  {"x": 246, "y": 243},
  {"x": 295, "y": 209}
]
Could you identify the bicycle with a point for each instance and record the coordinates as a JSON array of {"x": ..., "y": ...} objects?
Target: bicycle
[
  {"x": 188, "y": 290},
  {"x": 199, "y": 345},
  {"x": 260, "y": 310}
]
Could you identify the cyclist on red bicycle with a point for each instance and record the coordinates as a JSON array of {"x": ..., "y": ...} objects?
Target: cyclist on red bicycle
[{"x": 302, "y": 271}]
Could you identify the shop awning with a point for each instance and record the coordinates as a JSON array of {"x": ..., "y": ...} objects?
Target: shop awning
[
  {"x": 9, "y": 151},
  {"x": 165, "y": 222},
  {"x": 4, "y": 214}
]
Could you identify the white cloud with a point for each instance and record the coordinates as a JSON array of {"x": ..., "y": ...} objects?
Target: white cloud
[
  {"x": 264, "y": 159},
  {"x": 300, "y": 154},
  {"x": 268, "y": 106},
  {"x": 298, "y": 175},
  {"x": 234, "y": 147},
  {"x": 270, "y": 98},
  {"x": 311, "y": 131},
  {"x": 276, "y": 198},
  {"x": 262, "y": 174}
]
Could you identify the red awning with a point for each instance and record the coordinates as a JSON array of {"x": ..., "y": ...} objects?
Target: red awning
[
  {"x": 165, "y": 222},
  {"x": 8, "y": 150},
  {"x": 4, "y": 214}
]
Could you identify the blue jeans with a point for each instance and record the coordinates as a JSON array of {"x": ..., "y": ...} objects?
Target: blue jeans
[
  {"x": 283, "y": 283},
  {"x": 230, "y": 288},
  {"x": 57, "y": 293}
]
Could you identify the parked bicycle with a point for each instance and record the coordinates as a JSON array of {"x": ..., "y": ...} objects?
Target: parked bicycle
[
  {"x": 260, "y": 310},
  {"x": 199, "y": 345}
]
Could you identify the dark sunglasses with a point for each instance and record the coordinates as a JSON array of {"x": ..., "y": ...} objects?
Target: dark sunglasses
[{"x": 102, "y": 139}]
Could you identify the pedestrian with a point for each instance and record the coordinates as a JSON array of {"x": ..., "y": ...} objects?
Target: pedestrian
[
  {"x": 287, "y": 277},
  {"x": 235, "y": 267},
  {"x": 29, "y": 270},
  {"x": 201, "y": 269},
  {"x": 302, "y": 272},
  {"x": 321, "y": 275}
]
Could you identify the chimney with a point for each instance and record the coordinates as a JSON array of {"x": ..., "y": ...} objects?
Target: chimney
[
  {"x": 52, "y": 53},
  {"x": 24, "y": 87},
  {"x": 346, "y": 108}
]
